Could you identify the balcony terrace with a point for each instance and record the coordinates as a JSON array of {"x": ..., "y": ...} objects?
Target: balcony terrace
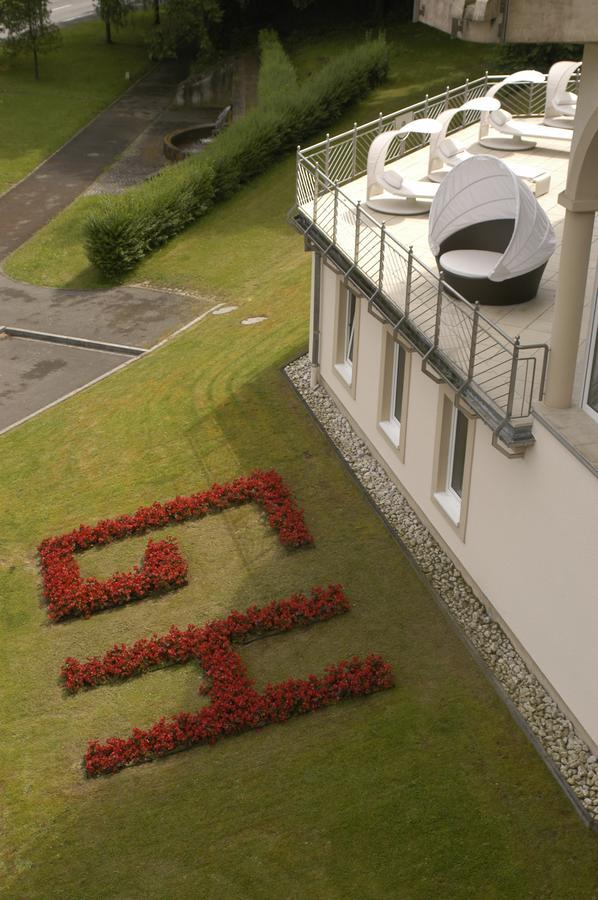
[{"x": 494, "y": 357}]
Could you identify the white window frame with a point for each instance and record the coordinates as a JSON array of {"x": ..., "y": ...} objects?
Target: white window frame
[
  {"x": 448, "y": 498},
  {"x": 589, "y": 365},
  {"x": 348, "y": 325},
  {"x": 390, "y": 424}
]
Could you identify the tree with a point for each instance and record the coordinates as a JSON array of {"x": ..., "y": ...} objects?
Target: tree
[
  {"x": 112, "y": 12},
  {"x": 28, "y": 28},
  {"x": 186, "y": 28},
  {"x": 511, "y": 57}
]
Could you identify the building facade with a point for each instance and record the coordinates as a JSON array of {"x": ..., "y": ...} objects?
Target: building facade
[{"x": 491, "y": 436}]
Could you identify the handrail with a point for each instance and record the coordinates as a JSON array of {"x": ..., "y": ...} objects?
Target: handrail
[
  {"x": 375, "y": 123},
  {"x": 451, "y": 333}
]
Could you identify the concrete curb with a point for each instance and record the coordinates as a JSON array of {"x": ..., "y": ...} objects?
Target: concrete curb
[
  {"x": 127, "y": 362},
  {"x": 67, "y": 340}
]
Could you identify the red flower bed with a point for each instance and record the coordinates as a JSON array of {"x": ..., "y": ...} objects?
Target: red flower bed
[
  {"x": 68, "y": 594},
  {"x": 235, "y": 704}
]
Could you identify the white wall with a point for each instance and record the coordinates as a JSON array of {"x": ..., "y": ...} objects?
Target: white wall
[
  {"x": 531, "y": 541},
  {"x": 528, "y": 21}
]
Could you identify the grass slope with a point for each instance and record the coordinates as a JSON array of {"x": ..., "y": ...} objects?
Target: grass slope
[
  {"x": 428, "y": 789},
  {"x": 77, "y": 81}
]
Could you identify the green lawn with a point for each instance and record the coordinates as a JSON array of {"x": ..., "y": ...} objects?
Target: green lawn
[
  {"x": 428, "y": 789},
  {"x": 77, "y": 81},
  {"x": 421, "y": 60}
]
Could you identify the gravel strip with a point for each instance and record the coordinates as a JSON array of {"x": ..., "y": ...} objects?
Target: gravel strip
[{"x": 577, "y": 764}]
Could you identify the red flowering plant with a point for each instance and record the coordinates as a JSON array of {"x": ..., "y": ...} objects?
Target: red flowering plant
[
  {"x": 235, "y": 704},
  {"x": 68, "y": 594}
]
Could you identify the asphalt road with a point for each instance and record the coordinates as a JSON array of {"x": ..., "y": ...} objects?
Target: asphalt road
[{"x": 63, "y": 11}]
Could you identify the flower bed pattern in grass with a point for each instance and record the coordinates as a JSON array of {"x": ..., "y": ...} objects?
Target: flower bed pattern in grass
[
  {"x": 235, "y": 704},
  {"x": 68, "y": 594}
]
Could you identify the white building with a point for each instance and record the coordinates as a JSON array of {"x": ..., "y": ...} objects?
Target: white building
[{"x": 486, "y": 417}]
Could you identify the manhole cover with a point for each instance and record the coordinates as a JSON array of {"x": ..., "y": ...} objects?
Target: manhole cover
[{"x": 253, "y": 320}]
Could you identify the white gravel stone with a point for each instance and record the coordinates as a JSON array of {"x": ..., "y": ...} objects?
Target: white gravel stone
[{"x": 577, "y": 764}]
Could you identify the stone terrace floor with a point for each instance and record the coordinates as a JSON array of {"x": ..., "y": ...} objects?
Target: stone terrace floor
[{"x": 532, "y": 320}]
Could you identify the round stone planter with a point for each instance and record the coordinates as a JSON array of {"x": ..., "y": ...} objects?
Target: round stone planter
[{"x": 184, "y": 142}]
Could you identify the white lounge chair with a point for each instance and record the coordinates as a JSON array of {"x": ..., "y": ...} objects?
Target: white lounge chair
[
  {"x": 490, "y": 236},
  {"x": 445, "y": 153},
  {"x": 387, "y": 190},
  {"x": 517, "y": 133},
  {"x": 560, "y": 103}
]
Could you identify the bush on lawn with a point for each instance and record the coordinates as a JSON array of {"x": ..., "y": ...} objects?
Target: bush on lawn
[
  {"x": 126, "y": 227},
  {"x": 129, "y": 226}
]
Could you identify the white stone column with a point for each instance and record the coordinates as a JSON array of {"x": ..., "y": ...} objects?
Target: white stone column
[
  {"x": 568, "y": 310},
  {"x": 579, "y": 200}
]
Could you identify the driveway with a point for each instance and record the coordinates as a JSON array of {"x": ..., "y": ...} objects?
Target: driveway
[{"x": 34, "y": 373}]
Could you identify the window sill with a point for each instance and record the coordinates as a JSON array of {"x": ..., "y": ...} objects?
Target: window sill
[
  {"x": 345, "y": 370},
  {"x": 451, "y": 505},
  {"x": 392, "y": 430}
]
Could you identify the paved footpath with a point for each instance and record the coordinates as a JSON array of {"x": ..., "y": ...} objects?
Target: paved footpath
[
  {"x": 31, "y": 203},
  {"x": 34, "y": 373}
]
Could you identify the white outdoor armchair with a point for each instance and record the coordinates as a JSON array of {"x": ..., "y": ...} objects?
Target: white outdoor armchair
[
  {"x": 490, "y": 237},
  {"x": 560, "y": 103},
  {"x": 516, "y": 134},
  {"x": 446, "y": 153},
  {"x": 388, "y": 191}
]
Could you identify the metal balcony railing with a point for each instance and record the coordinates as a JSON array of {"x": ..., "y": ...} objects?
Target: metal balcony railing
[{"x": 498, "y": 376}]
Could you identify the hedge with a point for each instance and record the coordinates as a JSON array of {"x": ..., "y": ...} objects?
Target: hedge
[
  {"x": 127, "y": 227},
  {"x": 277, "y": 80}
]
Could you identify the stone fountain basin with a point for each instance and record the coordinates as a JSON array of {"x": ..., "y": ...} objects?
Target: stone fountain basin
[{"x": 184, "y": 142}]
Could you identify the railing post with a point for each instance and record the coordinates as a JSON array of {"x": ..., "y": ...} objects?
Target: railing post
[
  {"x": 530, "y": 94},
  {"x": 316, "y": 192},
  {"x": 543, "y": 374},
  {"x": 354, "y": 151},
  {"x": 357, "y": 232},
  {"x": 381, "y": 258},
  {"x": 408, "y": 280},
  {"x": 335, "y": 214},
  {"x": 446, "y": 97},
  {"x": 380, "y": 123},
  {"x": 474, "y": 338},
  {"x": 297, "y": 170},
  {"x": 466, "y": 92},
  {"x": 327, "y": 156},
  {"x": 426, "y": 106},
  {"x": 438, "y": 309},
  {"x": 513, "y": 378}
]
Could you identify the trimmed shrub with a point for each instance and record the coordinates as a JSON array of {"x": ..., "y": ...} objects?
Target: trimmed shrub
[
  {"x": 128, "y": 226},
  {"x": 277, "y": 79}
]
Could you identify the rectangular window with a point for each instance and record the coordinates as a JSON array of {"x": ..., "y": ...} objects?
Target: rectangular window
[
  {"x": 347, "y": 326},
  {"x": 456, "y": 460},
  {"x": 351, "y": 306},
  {"x": 398, "y": 381},
  {"x": 591, "y": 398},
  {"x": 453, "y": 461},
  {"x": 393, "y": 388}
]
